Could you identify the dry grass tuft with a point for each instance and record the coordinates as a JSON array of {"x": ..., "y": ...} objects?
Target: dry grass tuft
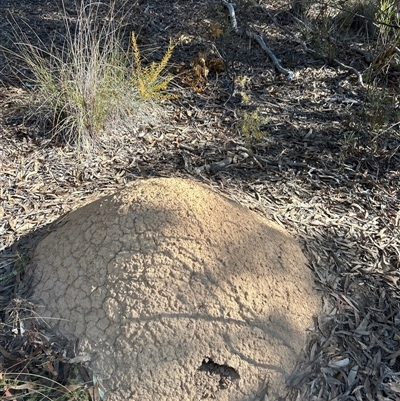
[{"x": 78, "y": 91}]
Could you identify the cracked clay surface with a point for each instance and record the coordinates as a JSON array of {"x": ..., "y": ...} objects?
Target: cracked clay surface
[{"x": 166, "y": 274}]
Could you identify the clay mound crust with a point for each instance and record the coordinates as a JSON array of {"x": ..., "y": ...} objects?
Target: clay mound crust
[{"x": 177, "y": 293}]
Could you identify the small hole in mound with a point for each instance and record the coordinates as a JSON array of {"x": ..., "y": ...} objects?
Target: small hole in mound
[{"x": 226, "y": 373}]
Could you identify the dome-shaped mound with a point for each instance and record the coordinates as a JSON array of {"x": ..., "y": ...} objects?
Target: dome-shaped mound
[{"x": 177, "y": 293}]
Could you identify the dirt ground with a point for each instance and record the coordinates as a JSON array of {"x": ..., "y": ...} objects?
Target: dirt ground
[{"x": 327, "y": 169}]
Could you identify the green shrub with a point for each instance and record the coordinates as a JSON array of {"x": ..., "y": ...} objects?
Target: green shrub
[{"x": 250, "y": 126}]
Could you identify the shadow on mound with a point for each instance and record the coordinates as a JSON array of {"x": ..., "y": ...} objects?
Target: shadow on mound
[{"x": 166, "y": 274}]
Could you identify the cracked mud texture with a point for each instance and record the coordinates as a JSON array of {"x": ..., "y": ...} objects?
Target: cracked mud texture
[{"x": 166, "y": 274}]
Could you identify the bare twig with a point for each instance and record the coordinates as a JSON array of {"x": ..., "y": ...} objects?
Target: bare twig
[
  {"x": 231, "y": 14},
  {"x": 214, "y": 167},
  {"x": 348, "y": 67},
  {"x": 260, "y": 40}
]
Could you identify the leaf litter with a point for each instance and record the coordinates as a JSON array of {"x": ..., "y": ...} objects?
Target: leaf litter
[{"x": 341, "y": 201}]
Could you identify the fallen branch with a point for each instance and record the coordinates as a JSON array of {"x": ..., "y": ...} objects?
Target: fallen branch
[
  {"x": 259, "y": 39},
  {"x": 243, "y": 153},
  {"x": 231, "y": 14},
  {"x": 349, "y": 68},
  {"x": 214, "y": 167},
  {"x": 313, "y": 52}
]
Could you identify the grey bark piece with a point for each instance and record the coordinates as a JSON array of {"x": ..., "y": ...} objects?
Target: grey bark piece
[{"x": 177, "y": 293}]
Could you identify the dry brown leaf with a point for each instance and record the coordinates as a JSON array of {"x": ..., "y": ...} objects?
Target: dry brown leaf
[{"x": 215, "y": 30}]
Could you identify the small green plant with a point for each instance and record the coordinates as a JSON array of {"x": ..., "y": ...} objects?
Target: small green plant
[
  {"x": 350, "y": 139},
  {"x": 149, "y": 80},
  {"x": 241, "y": 82},
  {"x": 387, "y": 19},
  {"x": 348, "y": 144},
  {"x": 245, "y": 97},
  {"x": 379, "y": 108},
  {"x": 250, "y": 126},
  {"x": 380, "y": 116}
]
